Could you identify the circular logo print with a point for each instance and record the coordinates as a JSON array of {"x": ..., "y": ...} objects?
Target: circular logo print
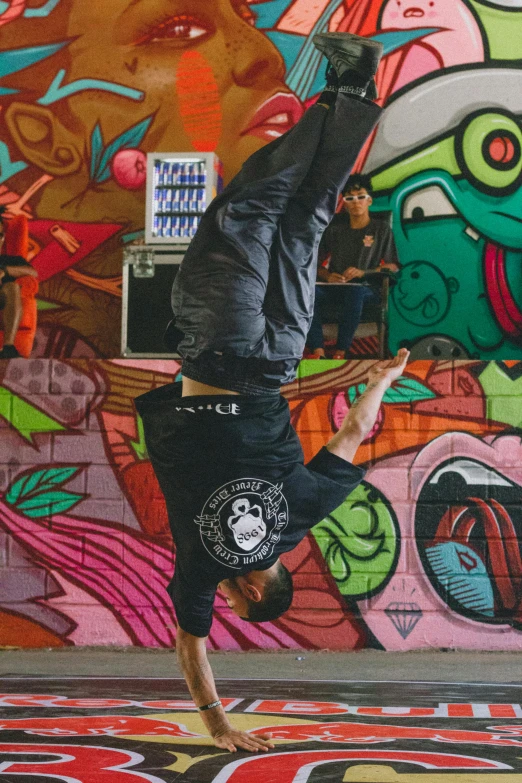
[{"x": 242, "y": 521}]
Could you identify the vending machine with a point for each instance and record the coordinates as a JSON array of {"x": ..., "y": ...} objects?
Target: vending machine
[{"x": 179, "y": 188}]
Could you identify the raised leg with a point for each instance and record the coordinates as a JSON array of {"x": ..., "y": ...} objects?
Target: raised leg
[
  {"x": 289, "y": 301},
  {"x": 220, "y": 289}
]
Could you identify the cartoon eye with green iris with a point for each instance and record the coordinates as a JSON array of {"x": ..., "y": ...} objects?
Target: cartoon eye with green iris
[{"x": 489, "y": 151}]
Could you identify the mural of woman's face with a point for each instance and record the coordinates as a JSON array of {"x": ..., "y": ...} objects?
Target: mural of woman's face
[{"x": 209, "y": 79}]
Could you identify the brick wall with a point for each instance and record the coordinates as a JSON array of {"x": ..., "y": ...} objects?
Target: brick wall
[{"x": 425, "y": 553}]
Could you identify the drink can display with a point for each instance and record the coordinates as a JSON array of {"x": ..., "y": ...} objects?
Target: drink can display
[
  {"x": 193, "y": 200},
  {"x": 175, "y": 200},
  {"x": 167, "y": 200},
  {"x": 168, "y": 179},
  {"x": 164, "y": 177},
  {"x": 176, "y": 222},
  {"x": 202, "y": 174},
  {"x": 184, "y": 174},
  {"x": 184, "y": 200},
  {"x": 175, "y": 173},
  {"x": 193, "y": 173},
  {"x": 167, "y": 226},
  {"x": 157, "y": 199},
  {"x": 193, "y": 225},
  {"x": 157, "y": 172},
  {"x": 184, "y": 226},
  {"x": 157, "y": 226},
  {"x": 201, "y": 200}
]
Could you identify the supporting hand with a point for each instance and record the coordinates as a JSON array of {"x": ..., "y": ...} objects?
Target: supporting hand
[{"x": 231, "y": 740}]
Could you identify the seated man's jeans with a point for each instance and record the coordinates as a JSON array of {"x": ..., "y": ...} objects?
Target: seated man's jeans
[{"x": 349, "y": 300}]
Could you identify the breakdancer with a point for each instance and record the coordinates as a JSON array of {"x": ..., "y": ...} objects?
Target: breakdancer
[{"x": 226, "y": 456}]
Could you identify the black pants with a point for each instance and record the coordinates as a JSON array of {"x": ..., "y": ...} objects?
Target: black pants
[{"x": 243, "y": 298}]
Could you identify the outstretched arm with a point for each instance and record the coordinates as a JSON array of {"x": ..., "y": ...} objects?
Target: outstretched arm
[
  {"x": 363, "y": 413},
  {"x": 192, "y": 657}
]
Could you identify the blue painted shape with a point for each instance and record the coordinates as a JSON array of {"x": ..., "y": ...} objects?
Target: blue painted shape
[
  {"x": 396, "y": 39},
  {"x": 7, "y": 91},
  {"x": 57, "y": 92},
  {"x": 45, "y": 10},
  {"x": 96, "y": 149},
  {"x": 14, "y": 60},
  {"x": 463, "y": 575},
  {"x": 288, "y": 44},
  {"x": 9, "y": 168},
  {"x": 269, "y": 13},
  {"x": 133, "y": 236}
]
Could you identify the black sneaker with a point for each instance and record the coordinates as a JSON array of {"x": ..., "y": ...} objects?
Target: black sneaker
[
  {"x": 354, "y": 59},
  {"x": 9, "y": 352}
]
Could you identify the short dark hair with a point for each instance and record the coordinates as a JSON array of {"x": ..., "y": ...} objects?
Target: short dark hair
[
  {"x": 277, "y": 598},
  {"x": 358, "y": 182}
]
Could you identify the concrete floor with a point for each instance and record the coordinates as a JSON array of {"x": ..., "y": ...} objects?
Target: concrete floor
[{"x": 368, "y": 665}]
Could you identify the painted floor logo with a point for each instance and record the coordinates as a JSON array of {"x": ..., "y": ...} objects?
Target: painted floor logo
[
  {"x": 124, "y": 730},
  {"x": 242, "y": 521}
]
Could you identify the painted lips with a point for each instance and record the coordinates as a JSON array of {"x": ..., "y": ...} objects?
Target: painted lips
[
  {"x": 413, "y": 12},
  {"x": 276, "y": 116}
]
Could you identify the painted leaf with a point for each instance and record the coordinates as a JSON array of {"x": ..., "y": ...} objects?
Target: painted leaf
[
  {"x": 408, "y": 390},
  {"x": 96, "y": 150},
  {"x": 41, "y": 480},
  {"x": 46, "y": 503},
  {"x": 130, "y": 139}
]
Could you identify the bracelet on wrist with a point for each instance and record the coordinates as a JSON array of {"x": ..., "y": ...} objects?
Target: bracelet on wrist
[{"x": 210, "y": 706}]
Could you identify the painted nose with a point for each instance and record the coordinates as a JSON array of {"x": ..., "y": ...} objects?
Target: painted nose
[{"x": 413, "y": 12}]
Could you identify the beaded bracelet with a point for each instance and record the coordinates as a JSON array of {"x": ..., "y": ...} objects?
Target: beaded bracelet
[{"x": 210, "y": 706}]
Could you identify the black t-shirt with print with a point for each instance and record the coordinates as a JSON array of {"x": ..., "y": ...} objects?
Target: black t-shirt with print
[
  {"x": 237, "y": 492},
  {"x": 363, "y": 248},
  {"x": 6, "y": 261}
]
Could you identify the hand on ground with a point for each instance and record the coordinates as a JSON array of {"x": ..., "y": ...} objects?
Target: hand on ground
[{"x": 233, "y": 740}]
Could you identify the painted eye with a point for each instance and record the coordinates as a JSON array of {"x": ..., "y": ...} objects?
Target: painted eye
[
  {"x": 428, "y": 203},
  {"x": 184, "y": 29},
  {"x": 489, "y": 152},
  {"x": 473, "y": 473}
]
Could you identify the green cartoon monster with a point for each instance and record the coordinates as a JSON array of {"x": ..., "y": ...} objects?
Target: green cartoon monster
[{"x": 447, "y": 164}]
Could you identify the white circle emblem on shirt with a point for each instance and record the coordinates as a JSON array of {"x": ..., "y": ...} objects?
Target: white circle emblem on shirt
[{"x": 242, "y": 521}]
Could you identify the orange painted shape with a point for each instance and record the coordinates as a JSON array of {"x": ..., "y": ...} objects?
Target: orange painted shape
[{"x": 199, "y": 101}]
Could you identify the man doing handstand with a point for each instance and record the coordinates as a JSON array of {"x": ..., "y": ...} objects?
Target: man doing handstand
[{"x": 226, "y": 456}]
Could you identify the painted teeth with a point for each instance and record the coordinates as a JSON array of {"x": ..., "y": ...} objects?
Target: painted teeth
[{"x": 472, "y": 233}]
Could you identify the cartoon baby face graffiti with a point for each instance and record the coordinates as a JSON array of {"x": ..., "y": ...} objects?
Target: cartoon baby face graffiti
[
  {"x": 455, "y": 198},
  {"x": 459, "y": 41}
]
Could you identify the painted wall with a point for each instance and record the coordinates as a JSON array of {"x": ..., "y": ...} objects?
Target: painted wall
[
  {"x": 425, "y": 553},
  {"x": 86, "y": 88}
]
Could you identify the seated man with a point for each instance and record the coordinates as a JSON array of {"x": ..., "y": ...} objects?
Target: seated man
[
  {"x": 11, "y": 268},
  {"x": 227, "y": 459},
  {"x": 360, "y": 248}
]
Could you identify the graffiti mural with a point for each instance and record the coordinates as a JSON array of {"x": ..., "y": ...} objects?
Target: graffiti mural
[
  {"x": 86, "y": 730},
  {"x": 425, "y": 552},
  {"x": 87, "y": 89}
]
